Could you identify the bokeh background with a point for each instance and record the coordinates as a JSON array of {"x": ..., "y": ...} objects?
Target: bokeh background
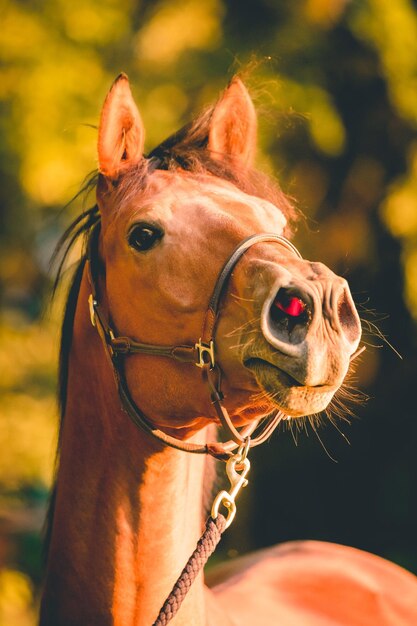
[{"x": 335, "y": 83}]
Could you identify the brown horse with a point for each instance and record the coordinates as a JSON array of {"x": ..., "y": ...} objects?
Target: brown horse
[{"x": 128, "y": 509}]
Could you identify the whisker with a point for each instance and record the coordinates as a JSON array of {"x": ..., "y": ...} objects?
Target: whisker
[
  {"x": 263, "y": 395},
  {"x": 371, "y": 345},
  {"x": 236, "y": 297},
  {"x": 313, "y": 426},
  {"x": 293, "y": 435},
  {"x": 334, "y": 424},
  {"x": 242, "y": 344},
  {"x": 374, "y": 330},
  {"x": 233, "y": 332},
  {"x": 341, "y": 407}
]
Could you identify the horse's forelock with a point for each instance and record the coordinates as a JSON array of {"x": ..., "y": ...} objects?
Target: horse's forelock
[{"x": 187, "y": 150}]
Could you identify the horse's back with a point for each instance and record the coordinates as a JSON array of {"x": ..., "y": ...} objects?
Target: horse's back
[{"x": 311, "y": 583}]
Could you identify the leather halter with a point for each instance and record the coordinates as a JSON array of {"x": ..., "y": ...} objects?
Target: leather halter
[{"x": 202, "y": 354}]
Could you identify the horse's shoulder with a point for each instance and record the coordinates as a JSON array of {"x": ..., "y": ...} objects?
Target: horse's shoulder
[{"x": 316, "y": 583}]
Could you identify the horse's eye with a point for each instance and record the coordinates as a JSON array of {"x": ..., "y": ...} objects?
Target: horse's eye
[{"x": 143, "y": 237}]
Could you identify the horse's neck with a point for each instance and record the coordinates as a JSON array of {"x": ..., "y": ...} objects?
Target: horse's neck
[{"x": 128, "y": 512}]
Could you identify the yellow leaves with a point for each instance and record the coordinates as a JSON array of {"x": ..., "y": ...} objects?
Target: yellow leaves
[
  {"x": 53, "y": 175},
  {"x": 410, "y": 267},
  {"x": 57, "y": 149},
  {"x": 16, "y": 599},
  {"x": 56, "y": 93},
  {"x": 315, "y": 104},
  {"x": 400, "y": 214},
  {"x": 392, "y": 29},
  {"x": 400, "y": 208},
  {"x": 28, "y": 414},
  {"x": 26, "y": 32},
  {"x": 326, "y": 127},
  {"x": 22, "y": 33},
  {"x": 164, "y": 105},
  {"x": 27, "y": 439},
  {"x": 179, "y": 25},
  {"x": 324, "y": 12},
  {"x": 25, "y": 355},
  {"x": 90, "y": 24}
]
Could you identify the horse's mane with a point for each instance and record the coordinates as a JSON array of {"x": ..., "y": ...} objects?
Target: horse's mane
[{"x": 184, "y": 150}]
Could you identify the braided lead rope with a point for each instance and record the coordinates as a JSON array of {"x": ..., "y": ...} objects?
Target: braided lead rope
[{"x": 205, "y": 547}]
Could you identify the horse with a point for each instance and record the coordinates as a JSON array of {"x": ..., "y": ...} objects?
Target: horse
[{"x": 190, "y": 309}]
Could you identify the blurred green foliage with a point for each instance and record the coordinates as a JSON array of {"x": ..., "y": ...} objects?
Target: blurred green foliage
[{"x": 336, "y": 86}]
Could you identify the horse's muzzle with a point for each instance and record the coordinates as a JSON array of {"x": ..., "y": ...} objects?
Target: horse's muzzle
[{"x": 314, "y": 328}]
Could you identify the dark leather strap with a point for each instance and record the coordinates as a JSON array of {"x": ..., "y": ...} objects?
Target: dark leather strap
[
  {"x": 210, "y": 320},
  {"x": 201, "y": 354},
  {"x": 125, "y": 345}
]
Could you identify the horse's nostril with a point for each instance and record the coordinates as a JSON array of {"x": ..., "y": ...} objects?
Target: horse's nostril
[
  {"x": 347, "y": 318},
  {"x": 288, "y": 315},
  {"x": 291, "y": 305}
]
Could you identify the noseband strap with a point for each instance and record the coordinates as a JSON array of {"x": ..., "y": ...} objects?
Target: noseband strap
[{"x": 202, "y": 354}]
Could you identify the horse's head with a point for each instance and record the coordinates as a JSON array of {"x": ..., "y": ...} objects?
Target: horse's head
[{"x": 287, "y": 327}]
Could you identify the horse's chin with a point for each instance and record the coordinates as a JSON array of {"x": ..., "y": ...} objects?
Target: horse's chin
[{"x": 286, "y": 393}]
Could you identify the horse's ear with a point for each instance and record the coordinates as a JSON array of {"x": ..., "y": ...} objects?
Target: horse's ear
[
  {"x": 121, "y": 133},
  {"x": 233, "y": 126}
]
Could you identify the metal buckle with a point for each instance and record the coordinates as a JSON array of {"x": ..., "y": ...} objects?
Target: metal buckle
[
  {"x": 237, "y": 468},
  {"x": 202, "y": 350},
  {"x": 92, "y": 306}
]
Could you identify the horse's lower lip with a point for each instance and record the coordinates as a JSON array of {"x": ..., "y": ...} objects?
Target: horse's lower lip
[{"x": 255, "y": 363}]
